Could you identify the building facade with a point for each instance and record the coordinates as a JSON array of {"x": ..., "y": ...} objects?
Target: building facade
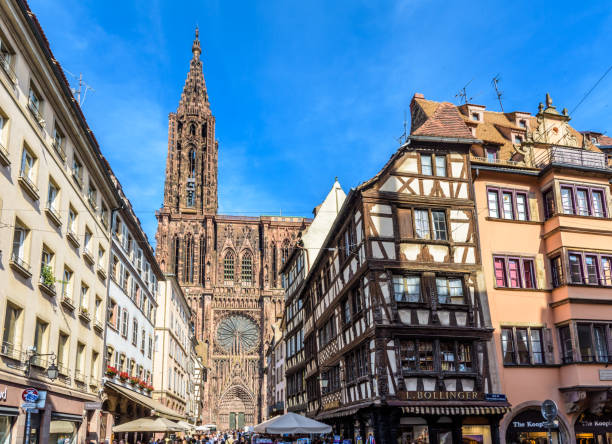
[
  {"x": 398, "y": 338},
  {"x": 130, "y": 323},
  {"x": 543, "y": 197},
  {"x": 275, "y": 373},
  {"x": 299, "y": 354},
  {"x": 55, "y": 241},
  {"x": 228, "y": 266},
  {"x": 173, "y": 340}
]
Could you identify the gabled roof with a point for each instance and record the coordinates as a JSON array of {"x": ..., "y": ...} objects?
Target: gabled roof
[{"x": 444, "y": 122}]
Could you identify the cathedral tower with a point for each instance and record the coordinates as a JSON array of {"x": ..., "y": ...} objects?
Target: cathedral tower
[
  {"x": 228, "y": 266},
  {"x": 191, "y": 167}
]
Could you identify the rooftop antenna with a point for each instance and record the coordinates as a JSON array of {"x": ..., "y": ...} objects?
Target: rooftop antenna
[
  {"x": 462, "y": 94},
  {"x": 495, "y": 83},
  {"x": 404, "y": 137},
  {"x": 82, "y": 89}
]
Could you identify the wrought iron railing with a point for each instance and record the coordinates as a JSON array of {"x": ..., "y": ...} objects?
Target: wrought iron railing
[{"x": 558, "y": 155}]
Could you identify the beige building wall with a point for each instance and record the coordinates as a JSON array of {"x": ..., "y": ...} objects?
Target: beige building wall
[{"x": 59, "y": 308}]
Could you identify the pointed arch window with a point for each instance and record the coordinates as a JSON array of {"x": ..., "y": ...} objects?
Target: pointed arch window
[
  {"x": 202, "y": 259},
  {"x": 204, "y": 130},
  {"x": 192, "y": 162},
  {"x": 228, "y": 267},
  {"x": 285, "y": 250},
  {"x": 246, "y": 270},
  {"x": 175, "y": 255},
  {"x": 188, "y": 259},
  {"x": 274, "y": 264},
  {"x": 192, "y": 129}
]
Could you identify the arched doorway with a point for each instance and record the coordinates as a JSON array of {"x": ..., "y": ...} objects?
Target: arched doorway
[{"x": 236, "y": 408}]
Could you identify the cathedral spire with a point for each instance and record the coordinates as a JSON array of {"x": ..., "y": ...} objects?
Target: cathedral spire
[{"x": 194, "y": 98}]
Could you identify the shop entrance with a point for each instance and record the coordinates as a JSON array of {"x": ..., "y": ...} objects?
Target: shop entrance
[
  {"x": 529, "y": 427},
  {"x": 593, "y": 429}
]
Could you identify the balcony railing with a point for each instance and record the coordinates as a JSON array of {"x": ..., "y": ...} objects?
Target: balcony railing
[
  {"x": 58, "y": 148},
  {"x": 53, "y": 214},
  {"x": 10, "y": 350},
  {"x": 36, "y": 113},
  {"x": 28, "y": 185},
  {"x": 496, "y": 161},
  {"x": 572, "y": 157},
  {"x": 72, "y": 237},
  {"x": 4, "y": 156},
  {"x": 20, "y": 265},
  {"x": 8, "y": 69}
]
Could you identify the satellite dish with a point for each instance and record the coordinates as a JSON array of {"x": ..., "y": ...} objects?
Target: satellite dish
[{"x": 549, "y": 410}]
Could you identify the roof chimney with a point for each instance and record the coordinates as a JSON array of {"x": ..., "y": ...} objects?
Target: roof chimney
[{"x": 418, "y": 96}]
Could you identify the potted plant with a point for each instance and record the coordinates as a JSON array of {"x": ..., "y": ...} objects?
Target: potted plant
[
  {"x": 111, "y": 371},
  {"x": 142, "y": 384},
  {"x": 134, "y": 380},
  {"x": 123, "y": 376},
  {"x": 46, "y": 276}
]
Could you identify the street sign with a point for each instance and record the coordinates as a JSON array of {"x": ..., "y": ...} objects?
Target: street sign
[
  {"x": 499, "y": 397},
  {"x": 28, "y": 405},
  {"x": 549, "y": 410},
  {"x": 93, "y": 406},
  {"x": 30, "y": 395}
]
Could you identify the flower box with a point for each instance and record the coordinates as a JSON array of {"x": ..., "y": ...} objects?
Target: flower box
[
  {"x": 111, "y": 371},
  {"x": 123, "y": 376}
]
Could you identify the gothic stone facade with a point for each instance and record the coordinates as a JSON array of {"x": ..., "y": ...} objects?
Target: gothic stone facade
[{"x": 228, "y": 266}]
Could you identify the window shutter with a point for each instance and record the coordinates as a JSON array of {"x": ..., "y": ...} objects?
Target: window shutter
[
  {"x": 549, "y": 356},
  {"x": 404, "y": 222}
]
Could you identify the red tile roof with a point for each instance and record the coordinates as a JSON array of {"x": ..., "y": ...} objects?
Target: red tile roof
[{"x": 445, "y": 122}]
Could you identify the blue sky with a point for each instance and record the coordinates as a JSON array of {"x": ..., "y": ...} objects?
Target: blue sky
[{"x": 303, "y": 92}]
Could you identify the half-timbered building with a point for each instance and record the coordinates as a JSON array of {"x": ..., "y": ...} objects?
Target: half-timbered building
[{"x": 398, "y": 341}]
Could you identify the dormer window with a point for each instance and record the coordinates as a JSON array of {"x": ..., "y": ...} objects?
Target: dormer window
[
  {"x": 476, "y": 117},
  {"x": 518, "y": 139},
  {"x": 523, "y": 123},
  {"x": 491, "y": 154}
]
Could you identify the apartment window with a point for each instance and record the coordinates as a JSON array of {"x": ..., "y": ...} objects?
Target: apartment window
[
  {"x": 35, "y": 102},
  {"x": 514, "y": 272},
  {"x": 421, "y": 219},
  {"x": 583, "y": 201},
  {"x": 28, "y": 162},
  {"x": 455, "y": 356},
  {"x": 567, "y": 351},
  {"x": 522, "y": 346},
  {"x": 417, "y": 355},
  {"x": 333, "y": 379},
  {"x": 407, "y": 288},
  {"x": 104, "y": 214},
  {"x": 94, "y": 365},
  {"x": 356, "y": 300},
  {"x": 491, "y": 154},
  {"x": 72, "y": 219},
  {"x": 426, "y": 166},
  {"x": 441, "y": 165},
  {"x": 328, "y": 332},
  {"x": 507, "y": 204},
  {"x": 77, "y": 170},
  {"x": 523, "y": 123},
  {"x": 518, "y": 139},
  {"x": 92, "y": 195},
  {"x": 134, "y": 332},
  {"x": 125, "y": 279},
  {"x": 124, "y": 323},
  {"x": 475, "y": 117},
  {"x": 20, "y": 236},
  {"x": 549, "y": 204},
  {"x": 84, "y": 296},
  {"x": 346, "y": 311},
  {"x": 40, "y": 336},
  {"x": 62, "y": 351},
  {"x": 101, "y": 257},
  {"x": 150, "y": 349},
  {"x": 7, "y": 56},
  {"x": 356, "y": 363},
  {"x": 228, "y": 266},
  {"x": 142, "y": 341},
  {"x": 46, "y": 266},
  {"x": 80, "y": 359},
  {"x": 53, "y": 197},
  {"x": 450, "y": 290},
  {"x": 67, "y": 283},
  {"x": 87, "y": 243},
  {"x": 58, "y": 139},
  {"x": 592, "y": 342},
  {"x": 11, "y": 336}
]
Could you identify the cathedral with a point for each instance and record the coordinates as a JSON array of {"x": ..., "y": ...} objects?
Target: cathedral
[{"x": 228, "y": 266}]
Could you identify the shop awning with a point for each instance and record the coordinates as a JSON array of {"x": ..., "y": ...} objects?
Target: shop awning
[
  {"x": 62, "y": 427},
  {"x": 456, "y": 410},
  {"x": 157, "y": 408},
  {"x": 342, "y": 412}
]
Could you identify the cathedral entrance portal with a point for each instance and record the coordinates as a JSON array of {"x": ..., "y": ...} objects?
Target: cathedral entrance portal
[{"x": 237, "y": 408}]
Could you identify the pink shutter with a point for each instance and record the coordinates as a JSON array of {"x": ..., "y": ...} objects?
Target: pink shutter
[{"x": 500, "y": 272}]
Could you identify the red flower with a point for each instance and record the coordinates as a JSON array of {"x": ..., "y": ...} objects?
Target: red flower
[
  {"x": 124, "y": 375},
  {"x": 110, "y": 370}
]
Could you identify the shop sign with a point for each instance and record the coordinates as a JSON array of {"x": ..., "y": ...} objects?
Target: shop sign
[
  {"x": 589, "y": 423},
  {"x": 30, "y": 395},
  {"x": 498, "y": 397},
  {"x": 92, "y": 405},
  {"x": 443, "y": 396},
  {"x": 605, "y": 375},
  {"x": 531, "y": 421},
  {"x": 3, "y": 394}
]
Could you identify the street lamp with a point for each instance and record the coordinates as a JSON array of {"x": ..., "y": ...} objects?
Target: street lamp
[{"x": 52, "y": 370}]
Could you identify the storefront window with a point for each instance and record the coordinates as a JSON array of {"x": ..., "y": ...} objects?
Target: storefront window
[
  {"x": 593, "y": 429},
  {"x": 62, "y": 432},
  {"x": 476, "y": 434},
  {"x": 6, "y": 422},
  {"x": 413, "y": 430},
  {"x": 528, "y": 427}
]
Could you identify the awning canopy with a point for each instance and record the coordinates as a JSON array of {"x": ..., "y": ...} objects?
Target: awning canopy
[
  {"x": 456, "y": 410},
  {"x": 292, "y": 423},
  {"x": 61, "y": 427},
  {"x": 157, "y": 408},
  {"x": 151, "y": 424}
]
